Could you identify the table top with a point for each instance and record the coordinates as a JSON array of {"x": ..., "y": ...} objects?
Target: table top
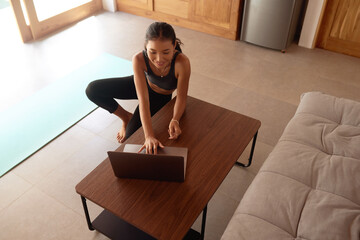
[{"x": 215, "y": 138}]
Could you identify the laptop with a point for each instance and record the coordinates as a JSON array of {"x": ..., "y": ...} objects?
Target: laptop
[{"x": 169, "y": 164}]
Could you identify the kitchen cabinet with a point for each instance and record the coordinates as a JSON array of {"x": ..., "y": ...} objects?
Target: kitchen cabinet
[{"x": 216, "y": 17}]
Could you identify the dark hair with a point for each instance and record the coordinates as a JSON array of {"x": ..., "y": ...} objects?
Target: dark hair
[{"x": 162, "y": 31}]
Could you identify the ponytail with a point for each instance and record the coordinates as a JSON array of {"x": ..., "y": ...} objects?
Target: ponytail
[{"x": 178, "y": 42}]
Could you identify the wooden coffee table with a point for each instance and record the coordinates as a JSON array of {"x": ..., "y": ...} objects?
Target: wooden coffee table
[{"x": 145, "y": 209}]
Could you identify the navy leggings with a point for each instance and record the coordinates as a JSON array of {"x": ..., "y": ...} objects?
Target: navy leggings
[{"x": 103, "y": 93}]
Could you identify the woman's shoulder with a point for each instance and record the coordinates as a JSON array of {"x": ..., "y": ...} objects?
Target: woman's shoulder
[
  {"x": 182, "y": 60},
  {"x": 138, "y": 56},
  {"x": 182, "y": 57},
  {"x": 182, "y": 65},
  {"x": 138, "y": 60}
]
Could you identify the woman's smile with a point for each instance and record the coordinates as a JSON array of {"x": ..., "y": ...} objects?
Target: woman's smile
[{"x": 161, "y": 65}]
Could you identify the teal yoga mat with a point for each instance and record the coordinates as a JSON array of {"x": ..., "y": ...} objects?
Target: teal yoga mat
[{"x": 32, "y": 123}]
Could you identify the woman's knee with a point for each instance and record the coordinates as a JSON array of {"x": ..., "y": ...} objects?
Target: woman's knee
[{"x": 92, "y": 90}]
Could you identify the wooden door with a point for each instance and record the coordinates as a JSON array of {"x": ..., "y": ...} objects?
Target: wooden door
[{"x": 340, "y": 27}]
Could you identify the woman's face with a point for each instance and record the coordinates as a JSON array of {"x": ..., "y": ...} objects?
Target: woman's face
[{"x": 160, "y": 52}]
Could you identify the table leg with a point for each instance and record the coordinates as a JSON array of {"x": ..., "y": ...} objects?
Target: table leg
[
  {"x": 195, "y": 235},
  {"x": 83, "y": 200},
  {"x": 203, "y": 223},
  {"x": 251, "y": 152},
  {"x": 202, "y": 234}
]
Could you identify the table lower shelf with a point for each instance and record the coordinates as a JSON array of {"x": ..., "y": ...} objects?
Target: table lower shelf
[{"x": 115, "y": 228}]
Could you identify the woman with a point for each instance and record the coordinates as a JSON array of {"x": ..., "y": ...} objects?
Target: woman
[{"x": 159, "y": 70}]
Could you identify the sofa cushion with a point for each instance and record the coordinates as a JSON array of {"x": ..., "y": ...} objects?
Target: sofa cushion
[{"x": 309, "y": 187}]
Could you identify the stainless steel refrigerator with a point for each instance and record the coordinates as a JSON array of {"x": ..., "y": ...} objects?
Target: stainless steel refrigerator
[{"x": 270, "y": 23}]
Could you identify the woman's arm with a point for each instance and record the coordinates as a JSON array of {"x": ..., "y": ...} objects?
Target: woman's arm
[
  {"x": 183, "y": 70},
  {"x": 151, "y": 143}
]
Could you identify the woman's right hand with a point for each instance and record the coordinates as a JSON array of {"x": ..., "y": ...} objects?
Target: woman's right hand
[{"x": 151, "y": 144}]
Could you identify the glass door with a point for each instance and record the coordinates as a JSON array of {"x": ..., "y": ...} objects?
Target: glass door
[
  {"x": 46, "y": 9},
  {"x": 4, "y": 4},
  {"x": 37, "y": 18}
]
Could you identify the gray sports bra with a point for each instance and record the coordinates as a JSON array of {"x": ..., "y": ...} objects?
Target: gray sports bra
[{"x": 168, "y": 82}]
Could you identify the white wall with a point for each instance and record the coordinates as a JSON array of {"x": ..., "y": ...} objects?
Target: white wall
[{"x": 311, "y": 21}]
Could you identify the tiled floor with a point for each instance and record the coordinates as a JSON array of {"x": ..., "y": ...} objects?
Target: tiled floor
[{"x": 38, "y": 199}]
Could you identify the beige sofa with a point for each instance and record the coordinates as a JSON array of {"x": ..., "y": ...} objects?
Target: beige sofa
[{"x": 309, "y": 186}]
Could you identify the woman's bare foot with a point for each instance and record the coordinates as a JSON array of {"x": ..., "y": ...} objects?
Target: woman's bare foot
[{"x": 121, "y": 134}]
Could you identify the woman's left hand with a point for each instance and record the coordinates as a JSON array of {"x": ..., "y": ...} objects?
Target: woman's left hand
[{"x": 174, "y": 129}]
